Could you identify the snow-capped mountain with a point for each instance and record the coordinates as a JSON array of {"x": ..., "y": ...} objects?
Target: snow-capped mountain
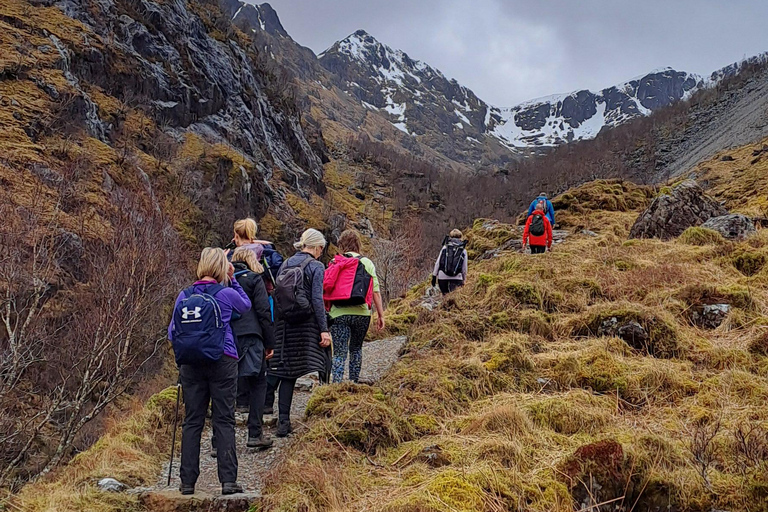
[
  {"x": 582, "y": 114},
  {"x": 255, "y": 17},
  {"x": 420, "y": 100}
]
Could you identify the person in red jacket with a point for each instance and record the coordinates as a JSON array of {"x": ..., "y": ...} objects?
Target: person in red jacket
[{"x": 538, "y": 231}]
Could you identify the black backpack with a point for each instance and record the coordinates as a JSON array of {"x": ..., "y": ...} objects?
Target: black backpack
[
  {"x": 292, "y": 301},
  {"x": 537, "y": 226},
  {"x": 452, "y": 260},
  {"x": 361, "y": 285}
]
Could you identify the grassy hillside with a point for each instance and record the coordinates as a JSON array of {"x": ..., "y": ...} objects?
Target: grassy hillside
[{"x": 513, "y": 395}]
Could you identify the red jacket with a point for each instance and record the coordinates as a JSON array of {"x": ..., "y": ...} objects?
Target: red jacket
[{"x": 545, "y": 239}]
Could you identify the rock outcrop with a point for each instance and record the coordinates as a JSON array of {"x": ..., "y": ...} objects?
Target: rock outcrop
[
  {"x": 205, "y": 85},
  {"x": 672, "y": 213},
  {"x": 732, "y": 227}
]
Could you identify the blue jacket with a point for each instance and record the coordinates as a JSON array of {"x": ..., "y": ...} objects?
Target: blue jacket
[{"x": 549, "y": 212}]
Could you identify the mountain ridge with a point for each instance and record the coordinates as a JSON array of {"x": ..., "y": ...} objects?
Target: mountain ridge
[{"x": 540, "y": 122}]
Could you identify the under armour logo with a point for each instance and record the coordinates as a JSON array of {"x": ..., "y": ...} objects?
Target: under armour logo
[{"x": 185, "y": 312}]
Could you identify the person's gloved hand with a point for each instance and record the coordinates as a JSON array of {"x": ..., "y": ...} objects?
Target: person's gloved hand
[{"x": 434, "y": 281}]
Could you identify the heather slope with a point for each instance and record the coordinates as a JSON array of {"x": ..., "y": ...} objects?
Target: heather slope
[{"x": 558, "y": 382}]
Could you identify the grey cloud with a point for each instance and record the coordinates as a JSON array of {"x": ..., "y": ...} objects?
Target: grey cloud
[{"x": 509, "y": 51}]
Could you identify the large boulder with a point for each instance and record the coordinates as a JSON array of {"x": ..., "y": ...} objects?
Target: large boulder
[
  {"x": 672, "y": 213},
  {"x": 732, "y": 227}
]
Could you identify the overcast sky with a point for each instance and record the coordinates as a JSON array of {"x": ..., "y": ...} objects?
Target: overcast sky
[{"x": 509, "y": 51}]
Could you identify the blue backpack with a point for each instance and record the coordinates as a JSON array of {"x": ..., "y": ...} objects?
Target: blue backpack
[
  {"x": 272, "y": 261},
  {"x": 198, "y": 334}
]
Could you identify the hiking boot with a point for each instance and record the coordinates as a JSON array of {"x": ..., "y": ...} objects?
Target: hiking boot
[
  {"x": 186, "y": 489},
  {"x": 231, "y": 488},
  {"x": 284, "y": 428},
  {"x": 259, "y": 442}
]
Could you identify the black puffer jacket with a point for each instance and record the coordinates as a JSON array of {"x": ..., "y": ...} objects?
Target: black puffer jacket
[
  {"x": 297, "y": 344},
  {"x": 257, "y": 321}
]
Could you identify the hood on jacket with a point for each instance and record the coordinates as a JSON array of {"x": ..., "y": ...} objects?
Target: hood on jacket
[{"x": 240, "y": 266}]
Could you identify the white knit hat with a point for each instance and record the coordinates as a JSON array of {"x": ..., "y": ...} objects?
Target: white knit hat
[{"x": 310, "y": 238}]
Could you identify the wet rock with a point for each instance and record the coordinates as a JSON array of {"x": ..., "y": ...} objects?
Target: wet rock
[
  {"x": 631, "y": 332},
  {"x": 337, "y": 223},
  {"x": 433, "y": 456},
  {"x": 307, "y": 384},
  {"x": 727, "y": 158},
  {"x": 111, "y": 485},
  {"x": 732, "y": 226},
  {"x": 710, "y": 316},
  {"x": 365, "y": 228},
  {"x": 671, "y": 214},
  {"x": 634, "y": 335},
  {"x": 588, "y": 233},
  {"x": 173, "y": 501}
]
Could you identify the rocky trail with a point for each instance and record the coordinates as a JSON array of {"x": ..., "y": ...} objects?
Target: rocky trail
[{"x": 254, "y": 466}]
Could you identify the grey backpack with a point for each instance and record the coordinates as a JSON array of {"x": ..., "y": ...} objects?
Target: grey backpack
[{"x": 292, "y": 301}]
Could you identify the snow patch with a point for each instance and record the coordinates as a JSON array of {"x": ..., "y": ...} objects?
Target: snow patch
[
  {"x": 462, "y": 117},
  {"x": 402, "y": 127}
]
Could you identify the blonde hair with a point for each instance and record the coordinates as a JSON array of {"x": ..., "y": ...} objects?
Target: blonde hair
[
  {"x": 247, "y": 256},
  {"x": 456, "y": 234},
  {"x": 246, "y": 228},
  {"x": 310, "y": 238},
  {"x": 213, "y": 262}
]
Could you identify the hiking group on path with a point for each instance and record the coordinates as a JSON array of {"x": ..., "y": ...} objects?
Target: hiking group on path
[{"x": 252, "y": 324}]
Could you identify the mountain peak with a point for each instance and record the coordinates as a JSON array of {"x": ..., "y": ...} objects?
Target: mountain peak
[{"x": 253, "y": 17}]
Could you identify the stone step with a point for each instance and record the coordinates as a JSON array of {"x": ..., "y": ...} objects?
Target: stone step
[{"x": 173, "y": 501}]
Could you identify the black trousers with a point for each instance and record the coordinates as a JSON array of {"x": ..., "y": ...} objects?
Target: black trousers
[
  {"x": 538, "y": 249},
  {"x": 272, "y": 384},
  {"x": 448, "y": 285},
  {"x": 285, "y": 399},
  {"x": 256, "y": 389},
  {"x": 215, "y": 383}
]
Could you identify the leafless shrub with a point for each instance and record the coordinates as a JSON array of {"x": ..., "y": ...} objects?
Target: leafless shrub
[
  {"x": 703, "y": 451},
  {"x": 79, "y": 323},
  {"x": 751, "y": 445}
]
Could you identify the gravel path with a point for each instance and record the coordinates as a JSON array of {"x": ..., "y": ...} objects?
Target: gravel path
[{"x": 378, "y": 357}]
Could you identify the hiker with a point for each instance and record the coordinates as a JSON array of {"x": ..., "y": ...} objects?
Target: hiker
[
  {"x": 255, "y": 333},
  {"x": 549, "y": 210},
  {"x": 538, "y": 231},
  {"x": 302, "y": 340},
  {"x": 351, "y": 315},
  {"x": 245, "y": 231},
  {"x": 207, "y": 356},
  {"x": 451, "y": 265}
]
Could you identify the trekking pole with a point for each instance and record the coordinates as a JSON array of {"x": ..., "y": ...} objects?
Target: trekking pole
[
  {"x": 269, "y": 272},
  {"x": 175, "y": 425}
]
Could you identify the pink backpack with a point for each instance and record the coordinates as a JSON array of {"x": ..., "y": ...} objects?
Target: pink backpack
[{"x": 347, "y": 282}]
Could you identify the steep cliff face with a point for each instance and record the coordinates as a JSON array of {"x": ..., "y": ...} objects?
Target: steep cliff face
[
  {"x": 132, "y": 132},
  {"x": 192, "y": 79}
]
